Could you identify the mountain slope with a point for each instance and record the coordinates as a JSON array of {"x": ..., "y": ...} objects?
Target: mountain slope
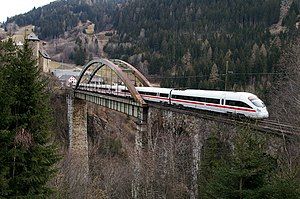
[
  {"x": 183, "y": 43},
  {"x": 192, "y": 41},
  {"x": 57, "y": 17}
]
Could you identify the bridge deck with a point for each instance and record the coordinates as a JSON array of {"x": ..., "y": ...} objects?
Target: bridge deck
[{"x": 121, "y": 104}]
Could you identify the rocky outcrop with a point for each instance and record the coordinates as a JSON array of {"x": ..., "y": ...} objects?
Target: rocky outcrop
[{"x": 284, "y": 9}]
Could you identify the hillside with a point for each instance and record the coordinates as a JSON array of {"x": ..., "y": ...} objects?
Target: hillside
[
  {"x": 285, "y": 105},
  {"x": 187, "y": 43},
  {"x": 60, "y": 16}
]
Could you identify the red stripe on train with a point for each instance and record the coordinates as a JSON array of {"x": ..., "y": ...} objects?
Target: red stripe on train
[
  {"x": 203, "y": 104},
  {"x": 198, "y": 103}
]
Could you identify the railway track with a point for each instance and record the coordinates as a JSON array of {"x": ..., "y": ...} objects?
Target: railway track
[
  {"x": 267, "y": 126},
  {"x": 280, "y": 128}
]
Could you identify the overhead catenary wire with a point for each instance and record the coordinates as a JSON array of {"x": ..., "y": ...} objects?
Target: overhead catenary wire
[{"x": 201, "y": 76}]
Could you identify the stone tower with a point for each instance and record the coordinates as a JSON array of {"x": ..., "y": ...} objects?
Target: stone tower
[
  {"x": 39, "y": 54},
  {"x": 34, "y": 43}
]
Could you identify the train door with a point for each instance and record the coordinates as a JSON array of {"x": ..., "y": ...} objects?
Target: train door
[
  {"x": 229, "y": 105},
  {"x": 170, "y": 96},
  {"x": 222, "y": 102},
  {"x": 159, "y": 99}
]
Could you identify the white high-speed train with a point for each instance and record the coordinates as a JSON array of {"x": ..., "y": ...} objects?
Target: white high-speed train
[{"x": 237, "y": 103}]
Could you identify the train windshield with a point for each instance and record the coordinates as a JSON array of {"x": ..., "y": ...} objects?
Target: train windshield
[{"x": 257, "y": 102}]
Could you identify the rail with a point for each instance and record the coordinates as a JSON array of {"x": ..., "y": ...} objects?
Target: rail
[{"x": 268, "y": 126}]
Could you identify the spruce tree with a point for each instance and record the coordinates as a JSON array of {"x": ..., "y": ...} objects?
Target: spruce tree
[
  {"x": 248, "y": 173},
  {"x": 7, "y": 50},
  {"x": 26, "y": 155}
]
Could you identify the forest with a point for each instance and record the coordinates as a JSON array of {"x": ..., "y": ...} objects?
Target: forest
[
  {"x": 195, "y": 43},
  {"x": 58, "y": 17},
  {"x": 203, "y": 44}
]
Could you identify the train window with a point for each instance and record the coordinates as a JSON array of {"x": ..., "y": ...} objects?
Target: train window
[
  {"x": 146, "y": 93},
  {"x": 177, "y": 96},
  {"x": 213, "y": 101},
  {"x": 190, "y": 98},
  {"x": 201, "y": 99},
  {"x": 230, "y": 102},
  {"x": 164, "y": 95},
  {"x": 237, "y": 103},
  {"x": 242, "y": 104},
  {"x": 187, "y": 98},
  {"x": 193, "y": 98},
  {"x": 198, "y": 99},
  {"x": 257, "y": 102},
  {"x": 182, "y": 97}
]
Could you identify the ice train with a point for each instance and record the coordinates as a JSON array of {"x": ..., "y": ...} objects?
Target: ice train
[{"x": 236, "y": 103}]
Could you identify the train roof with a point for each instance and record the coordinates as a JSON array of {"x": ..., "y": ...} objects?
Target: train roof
[
  {"x": 210, "y": 92},
  {"x": 154, "y": 89},
  {"x": 194, "y": 92}
]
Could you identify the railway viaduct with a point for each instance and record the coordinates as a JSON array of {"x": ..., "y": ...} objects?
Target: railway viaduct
[{"x": 155, "y": 125}]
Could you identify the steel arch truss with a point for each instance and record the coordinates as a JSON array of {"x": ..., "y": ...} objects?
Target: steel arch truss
[{"x": 118, "y": 66}]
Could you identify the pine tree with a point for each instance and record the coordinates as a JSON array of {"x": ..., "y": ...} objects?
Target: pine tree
[
  {"x": 186, "y": 60},
  {"x": 6, "y": 100},
  {"x": 79, "y": 56},
  {"x": 214, "y": 152},
  {"x": 209, "y": 54},
  {"x": 263, "y": 50},
  {"x": 26, "y": 155},
  {"x": 214, "y": 74},
  {"x": 254, "y": 57},
  {"x": 248, "y": 173}
]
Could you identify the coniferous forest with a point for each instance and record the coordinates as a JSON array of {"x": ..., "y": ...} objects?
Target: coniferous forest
[
  {"x": 187, "y": 44},
  {"x": 57, "y": 17},
  {"x": 195, "y": 43}
]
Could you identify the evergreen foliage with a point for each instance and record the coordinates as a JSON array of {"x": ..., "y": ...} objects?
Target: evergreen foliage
[
  {"x": 208, "y": 30},
  {"x": 26, "y": 157},
  {"x": 79, "y": 56},
  {"x": 57, "y": 17},
  {"x": 168, "y": 32},
  {"x": 292, "y": 16},
  {"x": 246, "y": 172}
]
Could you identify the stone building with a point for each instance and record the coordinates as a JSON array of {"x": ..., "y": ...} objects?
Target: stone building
[
  {"x": 34, "y": 42},
  {"x": 26, "y": 33},
  {"x": 44, "y": 61}
]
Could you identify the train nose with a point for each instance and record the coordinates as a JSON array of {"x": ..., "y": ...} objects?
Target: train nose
[{"x": 264, "y": 113}]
